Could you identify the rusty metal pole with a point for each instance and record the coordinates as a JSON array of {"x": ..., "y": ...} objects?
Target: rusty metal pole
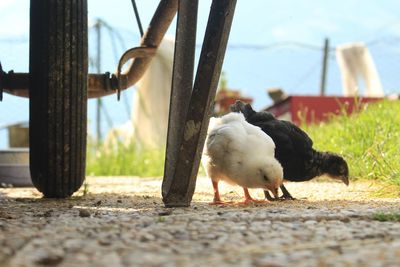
[
  {"x": 182, "y": 183},
  {"x": 182, "y": 84}
]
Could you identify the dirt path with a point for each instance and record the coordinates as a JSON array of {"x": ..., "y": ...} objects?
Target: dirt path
[{"x": 122, "y": 222}]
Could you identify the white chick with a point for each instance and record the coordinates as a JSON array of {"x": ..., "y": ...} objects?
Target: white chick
[{"x": 240, "y": 153}]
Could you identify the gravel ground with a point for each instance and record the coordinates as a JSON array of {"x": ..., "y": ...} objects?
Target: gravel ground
[{"x": 122, "y": 222}]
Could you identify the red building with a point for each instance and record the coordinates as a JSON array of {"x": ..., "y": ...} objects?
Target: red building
[{"x": 314, "y": 109}]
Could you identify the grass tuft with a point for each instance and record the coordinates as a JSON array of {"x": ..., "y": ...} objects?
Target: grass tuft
[
  {"x": 85, "y": 191},
  {"x": 386, "y": 217}
]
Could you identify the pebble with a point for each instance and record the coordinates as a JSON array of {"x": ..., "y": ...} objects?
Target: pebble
[
  {"x": 48, "y": 258},
  {"x": 84, "y": 213},
  {"x": 165, "y": 212}
]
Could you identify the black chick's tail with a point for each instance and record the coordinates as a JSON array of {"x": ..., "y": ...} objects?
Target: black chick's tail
[{"x": 243, "y": 108}]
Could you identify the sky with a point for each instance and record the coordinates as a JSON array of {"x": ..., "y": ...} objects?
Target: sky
[{"x": 272, "y": 44}]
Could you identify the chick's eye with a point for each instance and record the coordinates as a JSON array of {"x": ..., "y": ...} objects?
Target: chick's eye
[{"x": 265, "y": 178}]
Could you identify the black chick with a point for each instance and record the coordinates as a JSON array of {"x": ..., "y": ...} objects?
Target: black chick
[{"x": 294, "y": 150}]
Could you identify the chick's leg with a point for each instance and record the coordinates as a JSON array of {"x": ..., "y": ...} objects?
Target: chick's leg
[
  {"x": 248, "y": 199},
  {"x": 286, "y": 195},
  {"x": 268, "y": 196},
  {"x": 217, "y": 199}
]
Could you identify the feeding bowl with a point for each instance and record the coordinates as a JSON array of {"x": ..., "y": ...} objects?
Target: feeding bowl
[{"x": 14, "y": 167}]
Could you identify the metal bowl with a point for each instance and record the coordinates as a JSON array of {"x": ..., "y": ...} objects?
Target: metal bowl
[{"x": 14, "y": 167}]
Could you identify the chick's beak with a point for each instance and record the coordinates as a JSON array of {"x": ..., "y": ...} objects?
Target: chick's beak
[
  {"x": 345, "y": 180},
  {"x": 275, "y": 192}
]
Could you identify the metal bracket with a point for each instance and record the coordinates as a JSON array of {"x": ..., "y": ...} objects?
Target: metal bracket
[
  {"x": 110, "y": 81},
  {"x": 133, "y": 53}
]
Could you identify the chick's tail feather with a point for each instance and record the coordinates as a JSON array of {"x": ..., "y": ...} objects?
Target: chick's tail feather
[{"x": 243, "y": 108}]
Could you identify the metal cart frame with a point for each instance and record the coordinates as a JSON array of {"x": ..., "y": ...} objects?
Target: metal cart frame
[{"x": 58, "y": 85}]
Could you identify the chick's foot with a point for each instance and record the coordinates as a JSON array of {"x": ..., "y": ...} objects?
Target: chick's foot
[
  {"x": 286, "y": 195},
  {"x": 249, "y": 200},
  {"x": 222, "y": 203}
]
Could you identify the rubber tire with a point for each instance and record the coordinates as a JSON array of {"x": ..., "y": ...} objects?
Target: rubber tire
[{"x": 58, "y": 66}]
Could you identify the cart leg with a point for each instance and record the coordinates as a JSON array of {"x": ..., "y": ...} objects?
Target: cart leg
[
  {"x": 182, "y": 85},
  {"x": 58, "y": 69},
  {"x": 179, "y": 184}
]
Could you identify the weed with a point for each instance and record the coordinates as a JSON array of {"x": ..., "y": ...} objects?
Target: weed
[
  {"x": 161, "y": 219},
  {"x": 85, "y": 188},
  {"x": 385, "y": 217}
]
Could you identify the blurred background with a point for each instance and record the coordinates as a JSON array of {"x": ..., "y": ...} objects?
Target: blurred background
[
  {"x": 272, "y": 44},
  {"x": 277, "y": 46}
]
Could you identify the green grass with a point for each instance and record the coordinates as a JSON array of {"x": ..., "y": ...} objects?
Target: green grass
[
  {"x": 385, "y": 217},
  {"x": 121, "y": 160},
  {"x": 368, "y": 139},
  {"x": 85, "y": 191}
]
